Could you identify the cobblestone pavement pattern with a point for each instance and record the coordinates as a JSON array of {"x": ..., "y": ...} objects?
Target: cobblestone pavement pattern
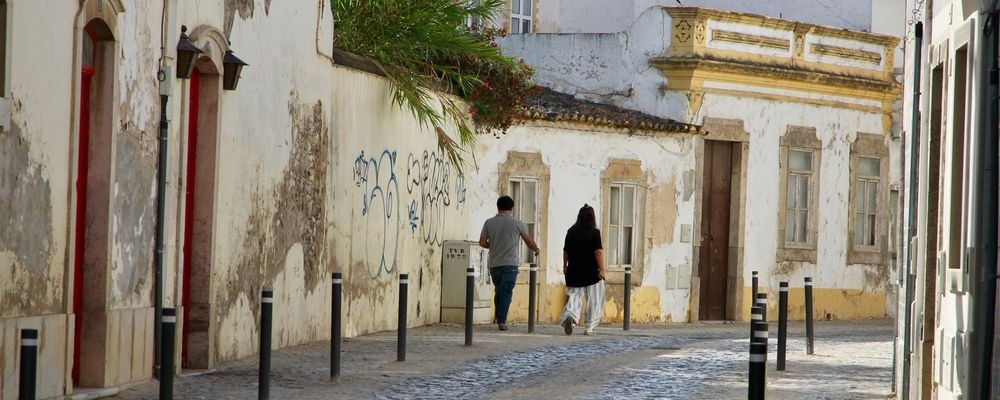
[{"x": 694, "y": 361}]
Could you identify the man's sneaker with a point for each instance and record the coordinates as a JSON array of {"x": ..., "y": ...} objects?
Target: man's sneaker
[
  {"x": 568, "y": 326},
  {"x": 502, "y": 327},
  {"x": 590, "y": 333}
]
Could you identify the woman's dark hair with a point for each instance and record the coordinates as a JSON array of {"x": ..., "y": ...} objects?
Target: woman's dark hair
[{"x": 585, "y": 218}]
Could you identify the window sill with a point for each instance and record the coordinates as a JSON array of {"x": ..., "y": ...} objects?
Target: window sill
[
  {"x": 866, "y": 256},
  {"x": 616, "y": 276},
  {"x": 803, "y": 254}
]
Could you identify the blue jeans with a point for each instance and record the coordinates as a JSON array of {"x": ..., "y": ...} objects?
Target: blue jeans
[{"x": 504, "y": 278}]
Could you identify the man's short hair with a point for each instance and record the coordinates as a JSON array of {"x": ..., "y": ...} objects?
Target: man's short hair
[{"x": 505, "y": 203}]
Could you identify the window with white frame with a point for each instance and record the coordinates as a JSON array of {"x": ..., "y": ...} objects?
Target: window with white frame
[
  {"x": 520, "y": 16},
  {"x": 621, "y": 224},
  {"x": 798, "y": 188},
  {"x": 525, "y": 194},
  {"x": 866, "y": 202}
]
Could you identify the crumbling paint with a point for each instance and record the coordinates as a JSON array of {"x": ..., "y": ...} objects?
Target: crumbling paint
[
  {"x": 298, "y": 219},
  {"x": 244, "y": 8},
  {"x": 664, "y": 204},
  {"x": 133, "y": 221},
  {"x": 27, "y": 203}
]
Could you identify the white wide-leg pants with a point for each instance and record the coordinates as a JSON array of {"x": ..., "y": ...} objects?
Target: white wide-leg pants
[{"x": 595, "y": 304}]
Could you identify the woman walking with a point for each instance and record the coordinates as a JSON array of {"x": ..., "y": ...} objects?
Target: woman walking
[{"x": 583, "y": 265}]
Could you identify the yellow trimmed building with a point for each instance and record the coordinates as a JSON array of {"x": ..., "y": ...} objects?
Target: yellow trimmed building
[{"x": 790, "y": 167}]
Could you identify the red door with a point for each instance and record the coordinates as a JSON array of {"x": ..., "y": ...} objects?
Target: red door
[
  {"x": 79, "y": 237},
  {"x": 192, "y": 158},
  {"x": 713, "y": 262}
]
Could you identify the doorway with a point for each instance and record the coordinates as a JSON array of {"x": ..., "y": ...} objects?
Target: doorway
[
  {"x": 199, "y": 195},
  {"x": 92, "y": 189},
  {"x": 713, "y": 264}
]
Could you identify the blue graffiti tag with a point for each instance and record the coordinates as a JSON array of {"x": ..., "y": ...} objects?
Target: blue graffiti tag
[
  {"x": 430, "y": 177},
  {"x": 413, "y": 216},
  {"x": 460, "y": 189},
  {"x": 380, "y": 200}
]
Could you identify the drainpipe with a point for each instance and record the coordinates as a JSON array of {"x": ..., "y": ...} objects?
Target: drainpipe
[
  {"x": 161, "y": 205},
  {"x": 911, "y": 214},
  {"x": 165, "y": 77},
  {"x": 984, "y": 225}
]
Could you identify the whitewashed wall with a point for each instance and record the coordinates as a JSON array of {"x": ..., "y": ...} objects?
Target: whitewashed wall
[
  {"x": 575, "y": 165},
  {"x": 589, "y": 16}
]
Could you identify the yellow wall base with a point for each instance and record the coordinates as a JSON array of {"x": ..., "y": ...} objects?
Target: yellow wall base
[{"x": 838, "y": 304}]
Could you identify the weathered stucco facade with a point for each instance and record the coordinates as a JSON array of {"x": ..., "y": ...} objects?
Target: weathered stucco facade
[
  {"x": 307, "y": 168},
  {"x": 762, "y": 88}
]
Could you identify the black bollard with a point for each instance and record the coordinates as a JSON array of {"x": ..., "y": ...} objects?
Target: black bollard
[
  {"x": 627, "y": 318},
  {"x": 755, "y": 317},
  {"x": 758, "y": 363},
  {"x": 753, "y": 285},
  {"x": 532, "y": 282},
  {"x": 264, "y": 385},
  {"x": 809, "y": 315},
  {"x": 404, "y": 283},
  {"x": 470, "y": 287},
  {"x": 762, "y": 303},
  {"x": 782, "y": 323},
  {"x": 29, "y": 364},
  {"x": 335, "y": 339},
  {"x": 168, "y": 331}
]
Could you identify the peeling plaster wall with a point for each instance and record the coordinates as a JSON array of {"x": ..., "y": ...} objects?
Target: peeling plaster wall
[
  {"x": 395, "y": 200},
  {"x": 610, "y": 68},
  {"x": 578, "y": 16},
  {"x": 575, "y": 179}
]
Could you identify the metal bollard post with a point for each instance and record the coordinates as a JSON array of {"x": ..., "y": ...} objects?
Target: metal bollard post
[
  {"x": 755, "y": 317},
  {"x": 627, "y": 318},
  {"x": 470, "y": 287},
  {"x": 758, "y": 363},
  {"x": 404, "y": 283},
  {"x": 753, "y": 284},
  {"x": 782, "y": 323},
  {"x": 532, "y": 282},
  {"x": 29, "y": 364},
  {"x": 168, "y": 331},
  {"x": 809, "y": 315},
  {"x": 335, "y": 339},
  {"x": 264, "y": 385},
  {"x": 762, "y": 303}
]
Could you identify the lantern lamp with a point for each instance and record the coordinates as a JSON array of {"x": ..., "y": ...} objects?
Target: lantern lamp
[
  {"x": 187, "y": 54},
  {"x": 233, "y": 67}
]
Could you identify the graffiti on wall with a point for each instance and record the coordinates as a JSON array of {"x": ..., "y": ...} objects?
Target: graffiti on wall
[
  {"x": 428, "y": 179},
  {"x": 380, "y": 207}
]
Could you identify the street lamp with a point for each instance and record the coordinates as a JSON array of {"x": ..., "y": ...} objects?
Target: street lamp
[
  {"x": 187, "y": 54},
  {"x": 232, "y": 66}
]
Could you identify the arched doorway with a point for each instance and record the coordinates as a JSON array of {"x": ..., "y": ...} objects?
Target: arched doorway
[
  {"x": 92, "y": 213},
  {"x": 199, "y": 202}
]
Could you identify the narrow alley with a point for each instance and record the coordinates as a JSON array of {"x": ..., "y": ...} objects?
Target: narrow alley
[{"x": 694, "y": 361}]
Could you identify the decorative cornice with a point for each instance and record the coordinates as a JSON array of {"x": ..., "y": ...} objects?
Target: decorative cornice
[
  {"x": 843, "y": 52},
  {"x": 755, "y": 40}
]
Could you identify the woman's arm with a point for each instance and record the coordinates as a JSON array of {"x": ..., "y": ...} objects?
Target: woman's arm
[
  {"x": 599, "y": 253},
  {"x": 565, "y": 262}
]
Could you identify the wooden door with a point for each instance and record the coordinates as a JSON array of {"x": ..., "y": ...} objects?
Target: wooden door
[
  {"x": 189, "y": 204},
  {"x": 713, "y": 261}
]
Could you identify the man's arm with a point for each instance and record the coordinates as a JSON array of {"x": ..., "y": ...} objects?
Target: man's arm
[
  {"x": 530, "y": 242},
  {"x": 483, "y": 242}
]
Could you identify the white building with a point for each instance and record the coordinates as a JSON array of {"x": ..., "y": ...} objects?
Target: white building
[
  {"x": 946, "y": 341},
  {"x": 784, "y": 104}
]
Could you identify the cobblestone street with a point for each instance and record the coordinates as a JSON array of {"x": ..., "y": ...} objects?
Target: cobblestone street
[{"x": 698, "y": 361}]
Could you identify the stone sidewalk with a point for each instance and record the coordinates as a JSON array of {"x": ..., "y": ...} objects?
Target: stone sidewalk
[{"x": 853, "y": 360}]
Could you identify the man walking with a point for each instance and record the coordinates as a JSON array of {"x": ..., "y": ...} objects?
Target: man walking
[{"x": 501, "y": 235}]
